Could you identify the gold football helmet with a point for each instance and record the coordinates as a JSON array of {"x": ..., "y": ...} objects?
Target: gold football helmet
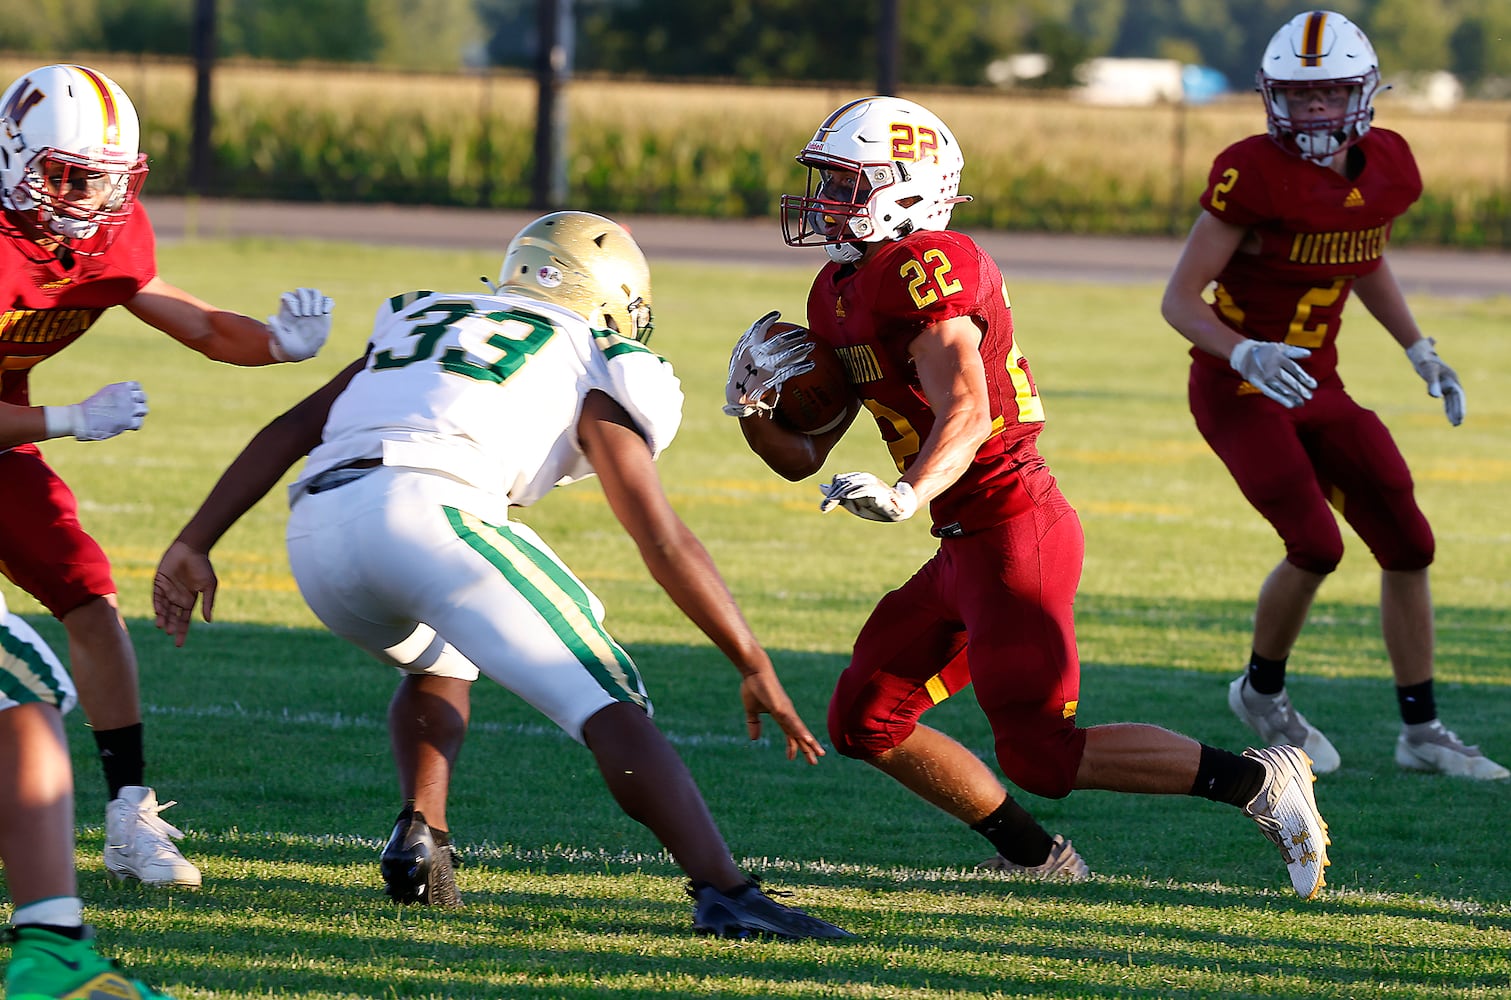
[{"x": 585, "y": 263}]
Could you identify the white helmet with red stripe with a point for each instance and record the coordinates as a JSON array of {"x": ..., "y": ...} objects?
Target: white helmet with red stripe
[
  {"x": 1317, "y": 50},
  {"x": 69, "y": 158}
]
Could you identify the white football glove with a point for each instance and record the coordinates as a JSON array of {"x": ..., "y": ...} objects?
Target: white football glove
[
  {"x": 864, "y": 495},
  {"x": 301, "y": 326},
  {"x": 758, "y": 367},
  {"x": 1442, "y": 381},
  {"x": 119, "y": 407},
  {"x": 1272, "y": 369}
]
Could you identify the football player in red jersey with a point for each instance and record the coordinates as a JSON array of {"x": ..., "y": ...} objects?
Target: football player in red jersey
[
  {"x": 921, "y": 318},
  {"x": 1294, "y": 221},
  {"x": 73, "y": 243}
]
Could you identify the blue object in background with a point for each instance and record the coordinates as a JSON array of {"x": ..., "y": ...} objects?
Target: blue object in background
[{"x": 1201, "y": 84}]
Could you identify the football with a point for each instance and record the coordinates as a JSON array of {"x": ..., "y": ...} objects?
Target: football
[{"x": 818, "y": 400}]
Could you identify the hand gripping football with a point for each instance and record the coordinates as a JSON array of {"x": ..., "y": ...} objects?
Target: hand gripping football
[{"x": 818, "y": 400}]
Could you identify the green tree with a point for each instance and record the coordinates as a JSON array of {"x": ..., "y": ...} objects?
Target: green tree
[
  {"x": 1410, "y": 35},
  {"x": 159, "y": 27},
  {"x": 425, "y": 34},
  {"x": 291, "y": 30},
  {"x": 51, "y": 26},
  {"x": 1480, "y": 47}
]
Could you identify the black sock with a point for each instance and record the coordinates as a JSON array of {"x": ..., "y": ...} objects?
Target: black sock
[
  {"x": 72, "y": 933},
  {"x": 121, "y": 753},
  {"x": 1266, "y": 676},
  {"x": 1016, "y": 835},
  {"x": 1226, "y": 777},
  {"x": 1417, "y": 703}
]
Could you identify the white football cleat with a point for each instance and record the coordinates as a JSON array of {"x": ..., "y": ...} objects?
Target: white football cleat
[
  {"x": 1063, "y": 864},
  {"x": 1278, "y": 724},
  {"x": 1433, "y": 747},
  {"x": 1286, "y": 811},
  {"x": 139, "y": 843}
]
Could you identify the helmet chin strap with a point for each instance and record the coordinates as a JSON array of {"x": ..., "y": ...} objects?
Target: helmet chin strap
[
  {"x": 73, "y": 229},
  {"x": 1320, "y": 148},
  {"x": 844, "y": 253}
]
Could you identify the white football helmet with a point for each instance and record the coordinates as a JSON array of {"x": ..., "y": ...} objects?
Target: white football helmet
[
  {"x": 69, "y": 158},
  {"x": 586, "y": 263},
  {"x": 878, "y": 169},
  {"x": 1320, "y": 48}
]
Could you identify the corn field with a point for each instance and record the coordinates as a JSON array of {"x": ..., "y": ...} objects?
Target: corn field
[{"x": 1032, "y": 163}]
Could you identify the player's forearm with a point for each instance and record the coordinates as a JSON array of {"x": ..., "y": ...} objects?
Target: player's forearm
[
  {"x": 218, "y": 334},
  {"x": 948, "y": 451},
  {"x": 21, "y": 425},
  {"x": 255, "y": 471},
  {"x": 1382, "y": 296},
  {"x": 1192, "y": 318},
  {"x": 680, "y": 564},
  {"x": 790, "y": 454}
]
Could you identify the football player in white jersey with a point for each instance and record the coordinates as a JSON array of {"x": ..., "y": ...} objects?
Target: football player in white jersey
[
  {"x": 462, "y": 406},
  {"x": 52, "y": 951}
]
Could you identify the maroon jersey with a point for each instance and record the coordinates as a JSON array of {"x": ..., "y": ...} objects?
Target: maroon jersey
[
  {"x": 1318, "y": 231},
  {"x": 44, "y": 306},
  {"x": 871, "y": 314}
]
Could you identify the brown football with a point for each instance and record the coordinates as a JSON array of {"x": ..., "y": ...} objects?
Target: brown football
[{"x": 818, "y": 400}]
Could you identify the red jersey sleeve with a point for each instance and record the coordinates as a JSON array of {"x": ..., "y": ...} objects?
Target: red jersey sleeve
[
  {"x": 1237, "y": 191},
  {"x": 928, "y": 278}
]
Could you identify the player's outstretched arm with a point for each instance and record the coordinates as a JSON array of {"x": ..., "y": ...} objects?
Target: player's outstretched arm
[
  {"x": 114, "y": 409},
  {"x": 682, "y": 566},
  {"x": 185, "y": 572},
  {"x": 296, "y": 332}
]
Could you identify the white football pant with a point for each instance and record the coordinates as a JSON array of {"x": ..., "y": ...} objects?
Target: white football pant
[{"x": 427, "y": 574}]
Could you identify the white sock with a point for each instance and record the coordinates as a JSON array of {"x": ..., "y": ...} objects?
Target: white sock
[{"x": 55, "y": 911}]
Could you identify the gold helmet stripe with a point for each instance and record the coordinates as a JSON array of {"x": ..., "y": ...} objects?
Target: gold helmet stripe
[
  {"x": 839, "y": 113},
  {"x": 1311, "y": 44}
]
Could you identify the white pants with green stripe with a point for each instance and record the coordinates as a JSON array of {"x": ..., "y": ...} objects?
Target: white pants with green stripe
[
  {"x": 29, "y": 670},
  {"x": 428, "y": 575}
]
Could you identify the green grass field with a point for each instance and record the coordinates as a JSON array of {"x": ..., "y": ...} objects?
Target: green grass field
[{"x": 271, "y": 734}]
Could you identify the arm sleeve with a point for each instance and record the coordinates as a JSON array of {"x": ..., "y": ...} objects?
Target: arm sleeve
[
  {"x": 1237, "y": 192},
  {"x": 644, "y": 384},
  {"x": 933, "y": 278}
]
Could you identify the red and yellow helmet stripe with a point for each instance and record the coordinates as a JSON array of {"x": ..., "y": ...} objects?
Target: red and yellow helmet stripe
[
  {"x": 109, "y": 111},
  {"x": 1311, "y": 38}
]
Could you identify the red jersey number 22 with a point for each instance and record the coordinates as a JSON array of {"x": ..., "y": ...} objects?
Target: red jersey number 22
[{"x": 929, "y": 280}]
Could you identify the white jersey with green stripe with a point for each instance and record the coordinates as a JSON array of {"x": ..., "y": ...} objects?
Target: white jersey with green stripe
[
  {"x": 488, "y": 389},
  {"x": 29, "y": 670}
]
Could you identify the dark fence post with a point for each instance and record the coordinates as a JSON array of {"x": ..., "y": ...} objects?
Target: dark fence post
[
  {"x": 887, "y": 45},
  {"x": 1178, "y": 169},
  {"x": 553, "y": 65},
  {"x": 200, "y": 156}
]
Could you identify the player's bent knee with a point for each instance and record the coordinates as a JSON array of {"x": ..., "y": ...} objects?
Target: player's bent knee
[
  {"x": 424, "y": 653},
  {"x": 1321, "y": 561},
  {"x": 861, "y": 745},
  {"x": 1043, "y": 759},
  {"x": 857, "y": 730},
  {"x": 1407, "y": 552}
]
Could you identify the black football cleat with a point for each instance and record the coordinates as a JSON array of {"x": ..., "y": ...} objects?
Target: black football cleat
[
  {"x": 749, "y": 912},
  {"x": 417, "y": 869}
]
